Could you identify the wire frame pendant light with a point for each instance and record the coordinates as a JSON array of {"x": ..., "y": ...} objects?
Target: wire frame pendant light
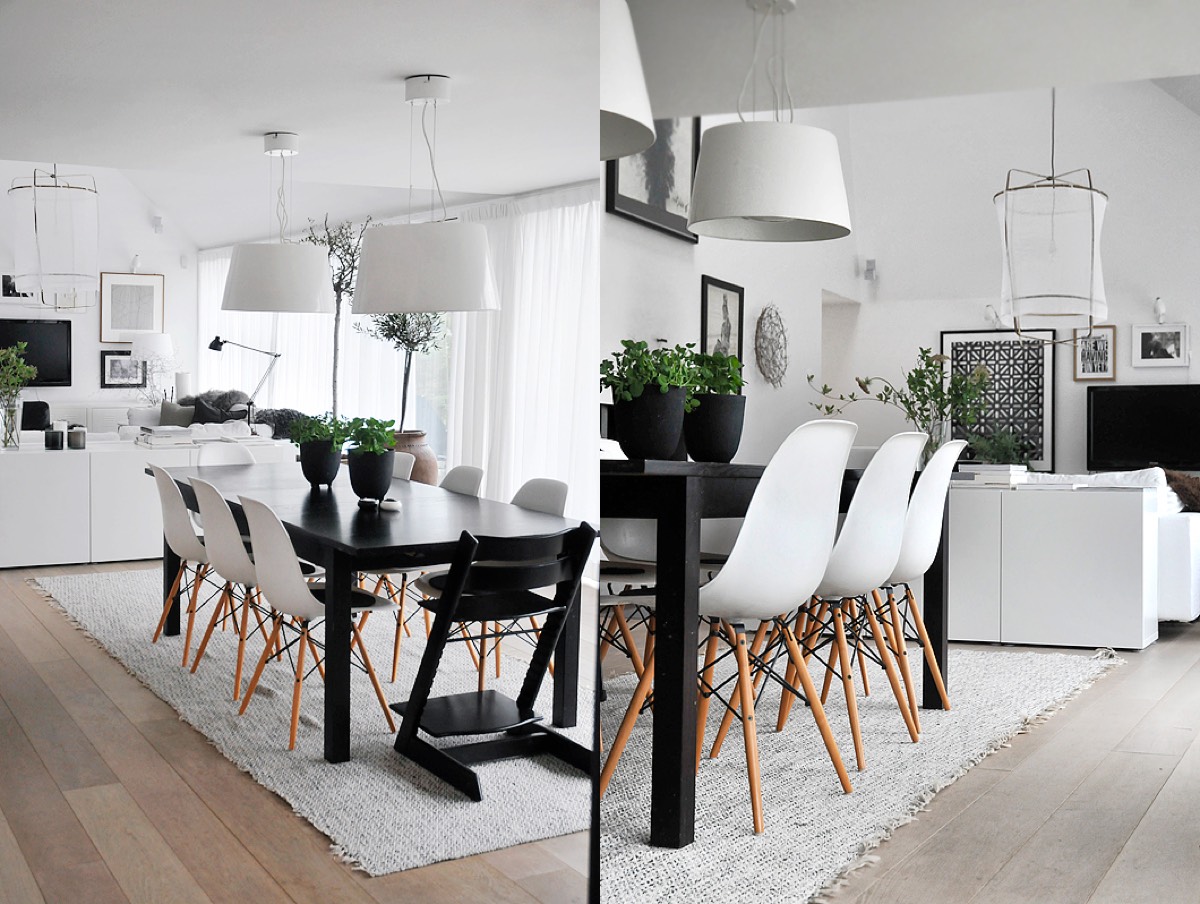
[
  {"x": 1050, "y": 228},
  {"x": 56, "y": 239},
  {"x": 773, "y": 180}
]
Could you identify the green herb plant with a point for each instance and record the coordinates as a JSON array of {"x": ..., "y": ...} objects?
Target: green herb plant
[
  {"x": 637, "y": 368},
  {"x": 717, "y": 374},
  {"x": 1001, "y": 447},
  {"x": 371, "y": 435},
  {"x": 320, "y": 427},
  {"x": 15, "y": 374}
]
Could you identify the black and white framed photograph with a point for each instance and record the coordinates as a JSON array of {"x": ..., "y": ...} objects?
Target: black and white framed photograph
[
  {"x": 8, "y": 288},
  {"x": 118, "y": 370},
  {"x": 1095, "y": 355},
  {"x": 1161, "y": 345},
  {"x": 130, "y": 303},
  {"x": 721, "y": 307},
  {"x": 1020, "y": 395},
  {"x": 654, "y": 188}
]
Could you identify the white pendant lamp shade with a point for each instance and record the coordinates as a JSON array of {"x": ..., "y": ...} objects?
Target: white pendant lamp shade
[
  {"x": 769, "y": 182},
  {"x": 424, "y": 267},
  {"x": 1050, "y": 235},
  {"x": 56, "y": 235},
  {"x": 626, "y": 125},
  {"x": 290, "y": 277}
]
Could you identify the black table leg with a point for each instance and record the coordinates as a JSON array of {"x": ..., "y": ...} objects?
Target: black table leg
[
  {"x": 673, "y": 769},
  {"x": 566, "y": 669},
  {"x": 933, "y": 610},
  {"x": 338, "y": 584},
  {"x": 170, "y": 568}
]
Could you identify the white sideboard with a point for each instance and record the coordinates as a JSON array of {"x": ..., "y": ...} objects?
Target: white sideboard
[
  {"x": 1061, "y": 567},
  {"x": 89, "y": 505}
]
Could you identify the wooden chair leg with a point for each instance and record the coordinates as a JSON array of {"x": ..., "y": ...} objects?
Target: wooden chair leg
[
  {"x": 312, "y": 648},
  {"x": 607, "y": 623},
  {"x": 635, "y": 706},
  {"x": 496, "y": 648},
  {"x": 862, "y": 662},
  {"x": 218, "y": 614},
  {"x": 362, "y": 649},
  {"x": 847, "y": 669},
  {"x": 267, "y": 652},
  {"x": 396, "y": 641},
  {"x": 299, "y": 685},
  {"x": 727, "y": 718},
  {"x": 635, "y": 655},
  {"x": 749, "y": 728},
  {"x": 241, "y": 650},
  {"x": 930, "y": 655},
  {"x": 834, "y": 658},
  {"x": 818, "y": 711},
  {"x": 806, "y": 621},
  {"x": 710, "y": 656},
  {"x": 896, "y": 635},
  {"x": 890, "y": 668},
  {"x": 196, "y": 582},
  {"x": 168, "y": 601},
  {"x": 483, "y": 638},
  {"x": 471, "y": 646}
]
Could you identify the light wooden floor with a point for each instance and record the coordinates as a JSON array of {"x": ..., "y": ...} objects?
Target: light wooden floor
[
  {"x": 105, "y": 796},
  {"x": 1100, "y": 804}
]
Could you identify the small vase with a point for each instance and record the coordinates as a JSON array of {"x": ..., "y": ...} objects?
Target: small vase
[
  {"x": 425, "y": 468},
  {"x": 371, "y": 473},
  {"x": 939, "y": 433},
  {"x": 320, "y": 461},
  {"x": 12, "y": 427}
]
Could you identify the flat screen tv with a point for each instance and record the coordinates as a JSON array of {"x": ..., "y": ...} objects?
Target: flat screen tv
[
  {"x": 49, "y": 347},
  {"x": 1131, "y": 427}
]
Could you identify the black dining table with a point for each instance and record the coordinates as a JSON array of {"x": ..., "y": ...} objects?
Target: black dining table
[
  {"x": 328, "y": 527},
  {"x": 678, "y": 495}
]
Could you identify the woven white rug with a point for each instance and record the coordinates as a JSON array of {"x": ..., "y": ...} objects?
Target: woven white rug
[
  {"x": 381, "y": 812},
  {"x": 814, "y": 833}
]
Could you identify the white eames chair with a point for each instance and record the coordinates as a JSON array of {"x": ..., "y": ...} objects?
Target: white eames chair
[
  {"x": 402, "y": 465},
  {"x": 181, "y": 537},
  {"x": 774, "y": 566},
  {"x": 922, "y": 535},
  {"x": 463, "y": 479},
  {"x": 282, "y": 582},
  {"x": 866, "y": 551},
  {"x": 221, "y": 453}
]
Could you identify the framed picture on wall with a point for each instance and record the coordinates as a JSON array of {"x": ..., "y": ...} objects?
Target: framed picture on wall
[
  {"x": 130, "y": 303},
  {"x": 721, "y": 307},
  {"x": 1095, "y": 355},
  {"x": 1161, "y": 345},
  {"x": 1020, "y": 396},
  {"x": 654, "y": 188},
  {"x": 118, "y": 370}
]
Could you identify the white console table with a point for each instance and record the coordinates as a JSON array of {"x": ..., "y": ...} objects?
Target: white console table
[
  {"x": 90, "y": 505},
  {"x": 1061, "y": 567}
]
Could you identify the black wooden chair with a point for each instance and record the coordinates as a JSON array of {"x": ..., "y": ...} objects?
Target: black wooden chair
[{"x": 492, "y": 579}]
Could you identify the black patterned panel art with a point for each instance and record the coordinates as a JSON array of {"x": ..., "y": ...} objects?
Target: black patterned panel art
[{"x": 1020, "y": 397}]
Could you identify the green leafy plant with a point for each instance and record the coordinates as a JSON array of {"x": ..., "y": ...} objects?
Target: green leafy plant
[
  {"x": 372, "y": 435},
  {"x": 1001, "y": 447},
  {"x": 926, "y": 397},
  {"x": 717, "y": 374},
  {"x": 315, "y": 428},
  {"x": 637, "y": 367},
  {"x": 15, "y": 374},
  {"x": 412, "y": 333}
]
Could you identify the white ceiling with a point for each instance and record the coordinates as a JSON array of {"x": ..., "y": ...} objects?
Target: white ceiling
[
  {"x": 178, "y": 94},
  {"x": 695, "y": 52}
]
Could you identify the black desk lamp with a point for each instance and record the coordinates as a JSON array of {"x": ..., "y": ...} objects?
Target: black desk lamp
[{"x": 218, "y": 344}]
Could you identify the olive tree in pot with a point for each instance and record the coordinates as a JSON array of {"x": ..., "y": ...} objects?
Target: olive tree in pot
[
  {"x": 320, "y": 439},
  {"x": 371, "y": 458},
  {"x": 713, "y": 428},
  {"x": 650, "y": 391},
  {"x": 412, "y": 333}
]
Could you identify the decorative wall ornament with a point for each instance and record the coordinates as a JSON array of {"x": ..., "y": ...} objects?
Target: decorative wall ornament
[
  {"x": 770, "y": 345},
  {"x": 1020, "y": 394}
]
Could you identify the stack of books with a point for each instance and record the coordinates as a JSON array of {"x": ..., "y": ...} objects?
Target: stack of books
[
  {"x": 165, "y": 436},
  {"x": 994, "y": 475}
]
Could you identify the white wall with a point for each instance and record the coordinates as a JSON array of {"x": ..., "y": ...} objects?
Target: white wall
[{"x": 125, "y": 230}]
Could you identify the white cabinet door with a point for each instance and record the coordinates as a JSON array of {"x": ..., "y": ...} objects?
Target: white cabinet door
[
  {"x": 974, "y": 564},
  {"x": 126, "y": 518},
  {"x": 43, "y": 507}
]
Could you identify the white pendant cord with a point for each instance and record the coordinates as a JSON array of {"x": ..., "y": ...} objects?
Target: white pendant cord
[
  {"x": 281, "y": 213},
  {"x": 430, "y": 146},
  {"x": 776, "y": 71}
]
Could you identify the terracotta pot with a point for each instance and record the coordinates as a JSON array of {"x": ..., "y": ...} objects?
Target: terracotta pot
[{"x": 425, "y": 468}]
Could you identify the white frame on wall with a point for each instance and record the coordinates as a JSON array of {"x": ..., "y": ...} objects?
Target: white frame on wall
[
  {"x": 116, "y": 332},
  {"x": 1141, "y": 346}
]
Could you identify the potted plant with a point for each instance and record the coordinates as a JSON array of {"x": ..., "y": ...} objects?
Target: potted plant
[
  {"x": 15, "y": 375},
  {"x": 713, "y": 428},
  {"x": 931, "y": 402},
  {"x": 411, "y": 333},
  {"x": 651, "y": 390},
  {"x": 372, "y": 455},
  {"x": 1000, "y": 447},
  {"x": 320, "y": 439}
]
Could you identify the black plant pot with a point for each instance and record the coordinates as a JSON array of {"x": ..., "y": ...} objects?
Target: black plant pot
[
  {"x": 714, "y": 427},
  {"x": 319, "y": 461},
  {"x": 651, "y": 426},
  {"x": 371, "y": 473}
]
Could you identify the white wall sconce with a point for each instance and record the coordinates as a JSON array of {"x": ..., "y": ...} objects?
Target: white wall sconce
[
  {"x": 1160, "y": 310},
  {"x": 870, "y": 272},
  {"x": 156, "y": 223}
]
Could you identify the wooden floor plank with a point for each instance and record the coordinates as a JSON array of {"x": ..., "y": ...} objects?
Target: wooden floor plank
[
  {"x": 141, "y": 861},
  {"x": 466, "y": 881},
  {"x": 35, "y": 643},
  {"x": 16, "y": 881}
]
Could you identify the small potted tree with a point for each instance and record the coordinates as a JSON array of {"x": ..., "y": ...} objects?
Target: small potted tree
[
  {"x": 372, "y": 456},
  {"x": 713, "y": 429},
  {"x": 650, "y": 391},
  {"x": 15, "y": 375},
  {"x": 320, "y": 439},
  {"x": 411, "y": 333}
]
